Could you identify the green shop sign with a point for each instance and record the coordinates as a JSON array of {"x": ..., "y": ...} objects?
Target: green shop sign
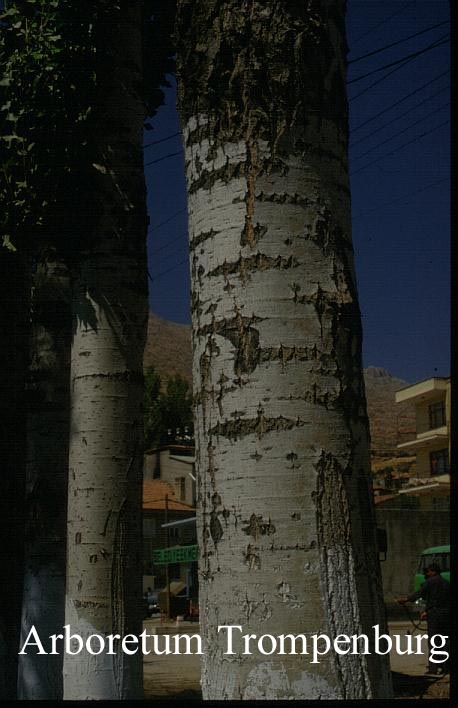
[{"x": 177, "y": 554}]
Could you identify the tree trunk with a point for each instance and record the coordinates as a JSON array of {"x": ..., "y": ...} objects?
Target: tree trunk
[
  {"x": 110, "y": 313},
  {"x": 14, "y": 322},
  {"x": 40, "y": 676},
  {"x": 286, "y": 522}
]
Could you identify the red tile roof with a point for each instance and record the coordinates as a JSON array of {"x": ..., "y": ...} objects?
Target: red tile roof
[{"x": 155, "y": 492}]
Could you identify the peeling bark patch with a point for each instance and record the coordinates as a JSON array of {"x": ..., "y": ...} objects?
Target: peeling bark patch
[
  {"x": 269, "y": 680},
  {"x": 236, "y": 429},
  {"x": 201, "y": 238},
  {"x": 253, "y": 264},
  {"x": 252, "y": 558},
  {"x": 248, "y": 236},
  {"x": 89, "y": 604},
  {"x": 211, "y": 463},
  {"x": 245, "y": 338},
  {"x": 284, "y": 591},
  {"x": 208, "y": 178},
  {"x": 256, "y": 527},
  {"x": 122, "y": 376},
  {"x": 216, "y": 530}
]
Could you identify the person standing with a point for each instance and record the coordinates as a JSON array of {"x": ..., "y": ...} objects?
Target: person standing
[{"x": 435, "y": 592}]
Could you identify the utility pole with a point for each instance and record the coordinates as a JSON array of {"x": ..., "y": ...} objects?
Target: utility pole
[{"x": 167, "y": 543}]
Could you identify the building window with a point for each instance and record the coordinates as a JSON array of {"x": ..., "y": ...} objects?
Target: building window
[
  {"x": 436, "y": 415},
  {"x": 180, "y": 487},
  {"x": 439, "y": 461}
]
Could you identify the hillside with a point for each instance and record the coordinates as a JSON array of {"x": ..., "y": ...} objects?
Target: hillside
[
  {"x": 168, "y": 349},
  {"x": 390, "y": 423}
]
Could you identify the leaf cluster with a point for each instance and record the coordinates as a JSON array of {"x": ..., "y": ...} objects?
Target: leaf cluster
[
  {"x": 48, "y": 91},
  {"x": 166, "y": 409}
]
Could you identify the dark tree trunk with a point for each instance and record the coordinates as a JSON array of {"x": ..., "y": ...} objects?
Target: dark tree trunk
[
  {"x": 40, "y": 676},
  {"x": 14, "y": 323}
]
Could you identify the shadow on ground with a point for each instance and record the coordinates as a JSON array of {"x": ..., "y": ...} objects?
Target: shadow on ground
[{"x": 406, "y": 686}]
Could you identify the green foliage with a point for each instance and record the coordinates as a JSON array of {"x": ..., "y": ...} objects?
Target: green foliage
[
  {"x": 48, "y": 88},
  {"x": 45, "y": 45},
  {"x": 166, "y": 410}
]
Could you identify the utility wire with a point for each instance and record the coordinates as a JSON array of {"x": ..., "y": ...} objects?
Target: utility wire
[
  {"x": 394, "y": 44},
  {"x": 395, "y": 14},
  {"x": 165, "y": 157},
  {"x": 400, "y": 147},
  {"x": 156, "y": 227},
  {"x": 162, "y": 140},
  {"x": 368, "y": 88},
  {"x": 396, "y": 118},
  {"x": 161, "y": 260},
  {"x": 413, "y": 55},
  {"x": 400, "y": 132},
  {"x": 397, "y": 103},
  {"x": 164, "y": 272},
  {"x": 400, "y": 199},
  {"x": 166, "y": 245}
]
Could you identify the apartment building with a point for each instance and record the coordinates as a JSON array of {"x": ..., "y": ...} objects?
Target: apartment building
[{"x": 431, "y": 443}]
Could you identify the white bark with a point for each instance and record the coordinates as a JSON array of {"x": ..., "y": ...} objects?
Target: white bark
[
  {"x": 105, "y": 468},
  {"x": 104, "y": 582},
  {"x": 285, "y": 520}
]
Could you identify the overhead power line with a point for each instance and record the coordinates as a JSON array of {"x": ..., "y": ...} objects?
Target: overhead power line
[
  {"x": 162, "y": 140},
  {"x": 169, "y": 270},
  {"x": 165, "y": 157},
  {"x": 397, "y": 103},
  {"x": 413, "y": 55},
  {"x": 173, "y": 254},
  {"x": 380, "y": 24},
  {"x": 401, "y": 132},
  {"x": 400, "y": 147},
  {"x": 396, "y": 118},
  {"x": 156, "y": 227},
  {"x": 379, "y": 81},
  {"x": 394, "y": 44},
  {"x": 400, "y": 199},
  {"x": 166, "y": 245}
]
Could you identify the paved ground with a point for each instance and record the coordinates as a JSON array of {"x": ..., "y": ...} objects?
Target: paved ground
[
  {"x": 409, "y": 680},
  {"x": 178, "y": 676}
]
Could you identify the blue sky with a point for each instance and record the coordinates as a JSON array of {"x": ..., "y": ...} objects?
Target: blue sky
[{"x": 400, "y": 188}]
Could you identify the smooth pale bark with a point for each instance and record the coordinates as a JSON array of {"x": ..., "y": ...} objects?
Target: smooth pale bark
[
  {"x": 14, "y": 322},
  {"x": 110, "y": 313},
  {"x": 43, "y": 604},
  {"x": 286, "y": 524}
]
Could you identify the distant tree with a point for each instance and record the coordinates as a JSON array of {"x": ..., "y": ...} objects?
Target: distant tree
[
  {"x": 152, "y": 415},
  {"x": 177, "y": 406},
  {"x": 167, "y": 411}
]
